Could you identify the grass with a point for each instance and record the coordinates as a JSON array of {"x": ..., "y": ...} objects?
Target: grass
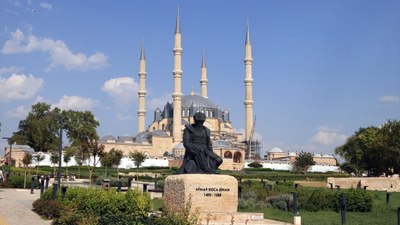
[{"x": 381, "y": 214}]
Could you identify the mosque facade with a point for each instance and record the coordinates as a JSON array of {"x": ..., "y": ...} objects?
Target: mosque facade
[{"x": 163, "y": 137}]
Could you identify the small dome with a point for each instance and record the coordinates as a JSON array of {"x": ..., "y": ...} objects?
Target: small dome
[
  {"x": 292, "y": 154},
  {"x": 276, "y": 150},
  {"x": 221, "y": 144},
  {"x": 317, "y": 155},
  {"x": 327, "y": 156},
  {"x": 108, "y": 138},
  {"x": 178, "y": 146}
]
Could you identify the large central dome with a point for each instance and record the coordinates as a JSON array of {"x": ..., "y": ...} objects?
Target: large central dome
[{"x": 197, "y": 101}]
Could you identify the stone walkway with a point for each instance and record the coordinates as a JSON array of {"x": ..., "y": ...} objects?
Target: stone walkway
[{"x": 16, "y": 208}]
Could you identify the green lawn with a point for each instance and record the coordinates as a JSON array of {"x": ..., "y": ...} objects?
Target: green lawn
[{"x": 381, "y": 214}]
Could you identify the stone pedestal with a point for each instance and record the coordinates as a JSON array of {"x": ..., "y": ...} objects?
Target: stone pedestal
[{"x": 207, "y": 193}]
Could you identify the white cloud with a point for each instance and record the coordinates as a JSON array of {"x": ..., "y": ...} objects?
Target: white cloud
[
  {"x": 59, "y": 53},
  {"x": 9, "y": 70},
  {"x": 19, "y": 86},
  {"x": 326, "y": 136},
  {"x": 160, "y": 102},
  {"x": 46, "y": 5},
  {"x": 256, "y": 135},
  {"x": 389, "y": 98},
  {"x": 121, "y": 117},
  {"x": 19, "y": 112},
  {"x": 123, "y": 90},
  {"x": 76, "y": 103}
]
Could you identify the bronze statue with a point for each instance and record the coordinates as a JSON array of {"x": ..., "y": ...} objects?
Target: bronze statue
[{"x": 199, "y": 156}]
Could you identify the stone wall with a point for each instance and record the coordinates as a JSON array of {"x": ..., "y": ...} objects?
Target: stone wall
[{"x": 390, "y": 184}]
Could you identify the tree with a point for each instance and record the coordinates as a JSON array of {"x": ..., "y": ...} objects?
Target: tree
[
  {"x": 348, "y": 168},
  {"x": 138, "y": 158},
  {"x": 303, "y": 161},
  {"x": 54, "y": 155},
  {"x": 80, "y": 127},
  {"x": 93, "y": 153},
  {"x": 388, "y": 140},
  {"x": 374, "y": 150},
  {"x": 68, "y": 154},
  {"x": 40, "y": 128},
  {"x": 26, "y": 160},
  {"x": 38, "y": 157},
  {"x": 80, "y": 157},
  {"x": 111, "y": 159}
]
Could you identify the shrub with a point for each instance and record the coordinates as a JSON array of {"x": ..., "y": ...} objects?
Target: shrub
[
  {"x": 47, "y": 208},
  {"x": 357, "y": 200},
  {"x": 255, "y": 164},
  {"x": 113, "y": 181},
  {"x": 284, "y": 201},
  {"x": 105, "y": 207},
  {"x": 315, "y": 200}
]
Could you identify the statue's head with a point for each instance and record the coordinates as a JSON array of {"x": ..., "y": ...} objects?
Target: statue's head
[{"x": 199, "y": 118}]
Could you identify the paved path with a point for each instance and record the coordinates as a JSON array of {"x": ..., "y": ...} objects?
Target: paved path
[{"x": 16, "y": 208}]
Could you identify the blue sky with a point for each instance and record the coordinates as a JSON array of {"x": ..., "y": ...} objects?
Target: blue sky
[{"x": 321, "y": 70}]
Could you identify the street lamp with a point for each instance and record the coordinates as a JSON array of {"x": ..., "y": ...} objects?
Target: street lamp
[
  {"x": 9, "y": 155},
  {"x": 60, "y": 152}
]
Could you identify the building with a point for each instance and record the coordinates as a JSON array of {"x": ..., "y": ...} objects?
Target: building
[
  {"x": 163, "y": 137},
  {"x": 17, "y": 154},
  {"x": 278, "y": 155}
]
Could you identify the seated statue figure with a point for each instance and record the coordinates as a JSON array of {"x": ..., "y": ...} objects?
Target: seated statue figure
[{"x": 199, "y": 156}]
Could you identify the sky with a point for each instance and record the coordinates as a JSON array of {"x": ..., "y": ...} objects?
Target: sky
[{"x": 322, "y": 69}]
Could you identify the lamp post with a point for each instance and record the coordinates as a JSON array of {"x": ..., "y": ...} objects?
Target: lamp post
[
  {"x": 60, "y": 152},
  {"x": 9, "y": 155}
]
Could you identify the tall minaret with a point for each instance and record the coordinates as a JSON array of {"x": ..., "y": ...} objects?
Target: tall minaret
[
  {"x": 177, "y": 95},
  {"x": 203, "y": 81},
  {"x": 142, "y": 91},
  {"x": 248, "y": 81}
]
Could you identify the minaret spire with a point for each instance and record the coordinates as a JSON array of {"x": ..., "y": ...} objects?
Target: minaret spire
[
  {"x": 177, "y": 95},
  {"x": 248, "y": 33},
  {"x": 178, "y": 23},
  {"x": 248, "y": 81},
  {"x": 142, "y": 91},
  {"x": 203, "y": 80}
]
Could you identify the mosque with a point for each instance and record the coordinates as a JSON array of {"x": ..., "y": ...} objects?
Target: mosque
[{"x": 163, "y": 137}]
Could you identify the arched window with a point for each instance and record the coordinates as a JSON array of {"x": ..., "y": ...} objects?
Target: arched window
[
  {"x": 228, "y": 155},
  {"x": 237, "y": 157},
  {"x": 163, "y": 126}
]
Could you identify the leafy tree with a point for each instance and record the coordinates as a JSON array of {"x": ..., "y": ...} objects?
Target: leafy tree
[
  {"x": 93, "y": 152},
  {"x": 348, "y": 168},
  {"x": 388, "y": 141},
  {"x": 303, "y": 161},
  {"x": 38, "y": 157},
  {"x": 80, "y": 127},
  {"x": 68, "y": 154},
  {"x": 372, "y": 149},
  {"x": 40, "y": 128},
  {"x": 54, "y": 155},
  {"x": 80, "y": 157},
  {"x": 26, "y": 160},
  {"x": 111, "y": 159},
  {"x": 138, "y": 158}
]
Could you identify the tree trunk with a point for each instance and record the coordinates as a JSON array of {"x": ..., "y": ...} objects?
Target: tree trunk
[
  {"x": 90, "y": 176},
  {"x": 25, "y": 179},
  {"x": 137, "y": 176}
]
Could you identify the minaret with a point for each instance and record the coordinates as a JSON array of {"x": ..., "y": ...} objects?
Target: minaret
[
  {"x": 142, "y": 91},
  {"x": 177, "y": 95},
  {"x": 248, "y": 81},
  {"x": 203, "y": 81}
]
